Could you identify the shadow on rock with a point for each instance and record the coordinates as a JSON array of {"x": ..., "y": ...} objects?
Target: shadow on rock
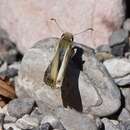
[{"x": 70, "y": 89}]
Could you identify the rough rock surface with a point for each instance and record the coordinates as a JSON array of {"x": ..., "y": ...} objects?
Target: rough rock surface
[
  {"x": 28, "y": 21},
  {"x": 27, "y": 122},
  {"x": 119, "y": 70},
  {"x": 19, "y": 107},
  {"x": 92, "y": 91}
]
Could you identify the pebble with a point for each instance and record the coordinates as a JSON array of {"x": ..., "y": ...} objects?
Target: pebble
[
  {"x": 119, "y": 42},
  {"x": 118, "y": 67},
  {"x": 27, "y": 122},
  {"x": 54, "y": 122},
  {"x": 11, "y": 126},
  {"x": 124, "y": 115},
  {"x": 126, "y": 25},
  {"x": 108, "y": 125},
  {"x": 20, "y": 106},
  {"x": 10, "y": 119}
]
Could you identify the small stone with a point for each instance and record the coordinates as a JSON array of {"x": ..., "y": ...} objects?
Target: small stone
[
  {"x": 11, "y": 126},
  {"x": 3, "y": 67},
  {"x": 126, "y": 25},
  {"x": 37, "y": 114},
  {"x": 124, "y": 115},
  {"x": 27, "y": 122},
  {"x": 123, "y": 80},
  {"x": 103, "y": 48},
  {"x": 118, "y": 67},
  {"x": 10, "y": 72},
  {"x": 54, "y": 122},
  {"x": 125, "y": 125},
  {"x": 109, "y": 125},
  {"x": 119, "y": 42},
  {"x": 10, "y": 119},
  {"x": 21, "y": 106},
  {"x": 46, "y": 126}
]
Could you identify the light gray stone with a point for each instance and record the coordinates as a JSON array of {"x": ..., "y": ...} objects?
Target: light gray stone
[
  {"x": 109, "y": 125},
  {"x": 123, "y": 80},
  {"x": 73, "y": 120},
  {"x": 126, "y": 94},
  {"x": 27, "y": 122},
  {"x": 92, "y": 91},
  {"x": 124, "y": 115},
  {"x": 9, "y": 119},
  {"x": 126, "y": 24},
  {"x": 20, "y": 106},
  {"x": 118, "y": 67},
  {"x": 119, "y": 42},
  {"x": 103, "y": 48},
  {"x": 7, "y": 126},
  {"x": 55, "y": 123}
]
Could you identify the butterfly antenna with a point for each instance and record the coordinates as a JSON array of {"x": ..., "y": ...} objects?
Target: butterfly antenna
[
  {"x": 84, "y": 31},
  {"x": 53, "y": 19}
]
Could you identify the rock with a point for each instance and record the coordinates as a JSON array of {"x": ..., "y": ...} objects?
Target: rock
[
  {"x": 11, "y": 126},
  {"x": 124, "y": 115},
  {"x": 116, "y": 67},
  {"x": 126, "y": 94},
  {"x": 27, "y": 122},
  {"x": 109, "y": 125},
  {"x": 126, "y": 24},
  {"x": 73, "y": 120},
  {"x": 104, "y": 16},
  {"x": 55, "y": 123},
  {"x": 36, "y": 113},
  {"x": 3, "y": 67},
  {"x": 21, "y": 106},
  {"x": 92, "y": 91},
  {"x": 103, "y": 48},
  {"x": 119, "y": 42},
  {"x": 9, "y": 73},
  {"x": 125, "y": 125},
  {"x": 4, "y": 110},
  {"x": 46, "y": 126},
  {"x": 9, "y": 119},
  {"x": 123, "y": 81}
]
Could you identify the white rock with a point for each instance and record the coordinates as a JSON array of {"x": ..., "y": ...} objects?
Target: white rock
[
  {"x": 28, "y": 21},
  {"x": 118, "y": 67},
  {"x": 12, "y": 125},
  {"x": 27, "y": 122}
]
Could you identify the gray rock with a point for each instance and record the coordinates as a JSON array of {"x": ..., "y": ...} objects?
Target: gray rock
[
  {"x": 11, "y": 126},
  {"x": 118, "y": 67},
  {"x": 125, "y": 125},
  {"x": 27, "y": 122},
  {"x": 119, "y": 42},
  {"x": 3, "y": 67},
  {"x": 19, "y": 107},
  {"x": 103, "y": 48},
  {"x": 126, "y": 94},
  {"x": 109, "y": 125},
  {"x": 124, "y": 115},
  {"x": 123, "y": 80},
  {"x": 9, "y": 119},
  {"x": 36, "y": 113},
  {"x": 126, "y": 24},
  {"x": 73, "y": 120},
  {"x": 46, "y": 126},
  {"x": 92, "y": 91},
  {"x": 53, "y": 121}
]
